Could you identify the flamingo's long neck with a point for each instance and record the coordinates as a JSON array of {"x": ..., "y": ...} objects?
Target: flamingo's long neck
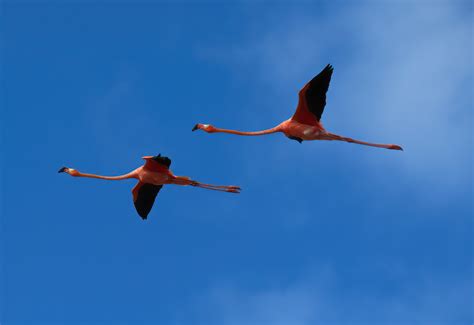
[
  {"x": 109, "y": 178},
  {"x": 252, "y": 133}
]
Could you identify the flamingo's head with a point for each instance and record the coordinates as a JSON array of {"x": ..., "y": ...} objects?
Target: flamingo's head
[
  {"x": 205, "y": 127},
  {"x": 69, "y": 171}
]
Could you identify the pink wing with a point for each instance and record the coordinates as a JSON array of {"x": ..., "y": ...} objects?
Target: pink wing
[{"x": 312, "y": 98}]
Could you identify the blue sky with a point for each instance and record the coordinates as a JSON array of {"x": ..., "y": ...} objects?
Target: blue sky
[{"x": 323, "y": 232}]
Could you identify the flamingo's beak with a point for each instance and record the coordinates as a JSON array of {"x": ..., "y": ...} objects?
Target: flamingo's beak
[
  {"x": 147, "y": 157},
  {"x": 195, "y": 127},
  {"x": 63, "y": 170}
]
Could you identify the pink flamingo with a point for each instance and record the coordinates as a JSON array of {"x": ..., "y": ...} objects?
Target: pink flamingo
[
  {"x": 305, "y": 124},
  {"x": 151, "y": 177}
]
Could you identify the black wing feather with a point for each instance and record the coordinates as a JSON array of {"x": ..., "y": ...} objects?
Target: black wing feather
[
  {"x": 145, "y": 199},
  {"x": 162, "y": 160},
  {"x": 316, "y": 91}
]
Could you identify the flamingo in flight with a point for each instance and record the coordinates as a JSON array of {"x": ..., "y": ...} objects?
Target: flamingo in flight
[
  {"x": 305, "y": 124},
  {"x": 151, "y": 177}
]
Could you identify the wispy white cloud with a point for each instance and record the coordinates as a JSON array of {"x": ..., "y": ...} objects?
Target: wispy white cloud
[{"x": 317, "y": 298}]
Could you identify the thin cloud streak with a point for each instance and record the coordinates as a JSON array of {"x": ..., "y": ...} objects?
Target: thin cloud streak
[{"x": 316, "y": 298}]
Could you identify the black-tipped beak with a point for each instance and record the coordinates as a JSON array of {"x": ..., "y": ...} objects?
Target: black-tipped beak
[
  {"x": 62, "y": 170},
  {"x": 195, "y": 127}
]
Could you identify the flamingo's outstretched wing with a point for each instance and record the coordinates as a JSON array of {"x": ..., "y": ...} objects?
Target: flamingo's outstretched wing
[
  {"x": 312, "y": 98},
  {"x": 144, "y": 195}
]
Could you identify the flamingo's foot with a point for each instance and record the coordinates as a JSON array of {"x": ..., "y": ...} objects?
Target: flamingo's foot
[{"x": 395, "y": 147}]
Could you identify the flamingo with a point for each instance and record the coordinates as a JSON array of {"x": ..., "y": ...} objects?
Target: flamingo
[
  {"x": 305, "y": 124},
  {"x": 151, "y": 177}
]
